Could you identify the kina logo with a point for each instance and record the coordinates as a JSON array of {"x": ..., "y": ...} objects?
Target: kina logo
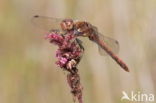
[{"x": 138, "y": 96}]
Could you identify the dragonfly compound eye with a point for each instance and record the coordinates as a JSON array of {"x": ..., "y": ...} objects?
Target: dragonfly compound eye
[{"x": 67, "y": 24}]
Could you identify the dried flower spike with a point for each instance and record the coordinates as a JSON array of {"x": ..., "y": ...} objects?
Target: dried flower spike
[{"x": 69, "y": 54}]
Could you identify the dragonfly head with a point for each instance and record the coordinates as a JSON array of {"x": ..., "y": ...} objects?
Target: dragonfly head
[{"x": 67, "y": 24}]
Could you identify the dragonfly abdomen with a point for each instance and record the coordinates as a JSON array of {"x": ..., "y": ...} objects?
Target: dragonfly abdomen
[{"x": 115, "y": 57}]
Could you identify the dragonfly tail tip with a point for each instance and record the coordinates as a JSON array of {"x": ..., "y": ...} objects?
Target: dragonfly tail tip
[{"x": 127, "y": 70}]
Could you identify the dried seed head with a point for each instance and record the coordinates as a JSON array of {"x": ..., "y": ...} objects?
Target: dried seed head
[
  {"x": 71, "y": 64},
  {"x": 69, "y": 54}
]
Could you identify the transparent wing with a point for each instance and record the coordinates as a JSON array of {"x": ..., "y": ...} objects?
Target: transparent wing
[
  {"x": 47, "y": 23},
  {"x": 111, "y": 43}
]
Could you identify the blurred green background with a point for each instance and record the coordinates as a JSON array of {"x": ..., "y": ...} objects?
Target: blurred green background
[{"x": 28, "y": 73}]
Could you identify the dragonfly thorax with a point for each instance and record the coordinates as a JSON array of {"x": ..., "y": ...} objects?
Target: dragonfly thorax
[{"x": 83, "y": 28}]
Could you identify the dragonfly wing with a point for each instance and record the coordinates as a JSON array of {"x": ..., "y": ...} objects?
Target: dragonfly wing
[
  {"x": 47, "y": 23},
  {"x": 111, "y": 43}
]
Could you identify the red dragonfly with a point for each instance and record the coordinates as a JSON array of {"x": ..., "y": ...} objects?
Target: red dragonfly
[{"x": 82, "y": 28}]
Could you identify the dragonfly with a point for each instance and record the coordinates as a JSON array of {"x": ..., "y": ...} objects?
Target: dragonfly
[{"x": 106, "y": 45}]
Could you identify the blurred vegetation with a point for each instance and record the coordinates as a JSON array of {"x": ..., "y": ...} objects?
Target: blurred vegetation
[{"x": 28, "y": 73}]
